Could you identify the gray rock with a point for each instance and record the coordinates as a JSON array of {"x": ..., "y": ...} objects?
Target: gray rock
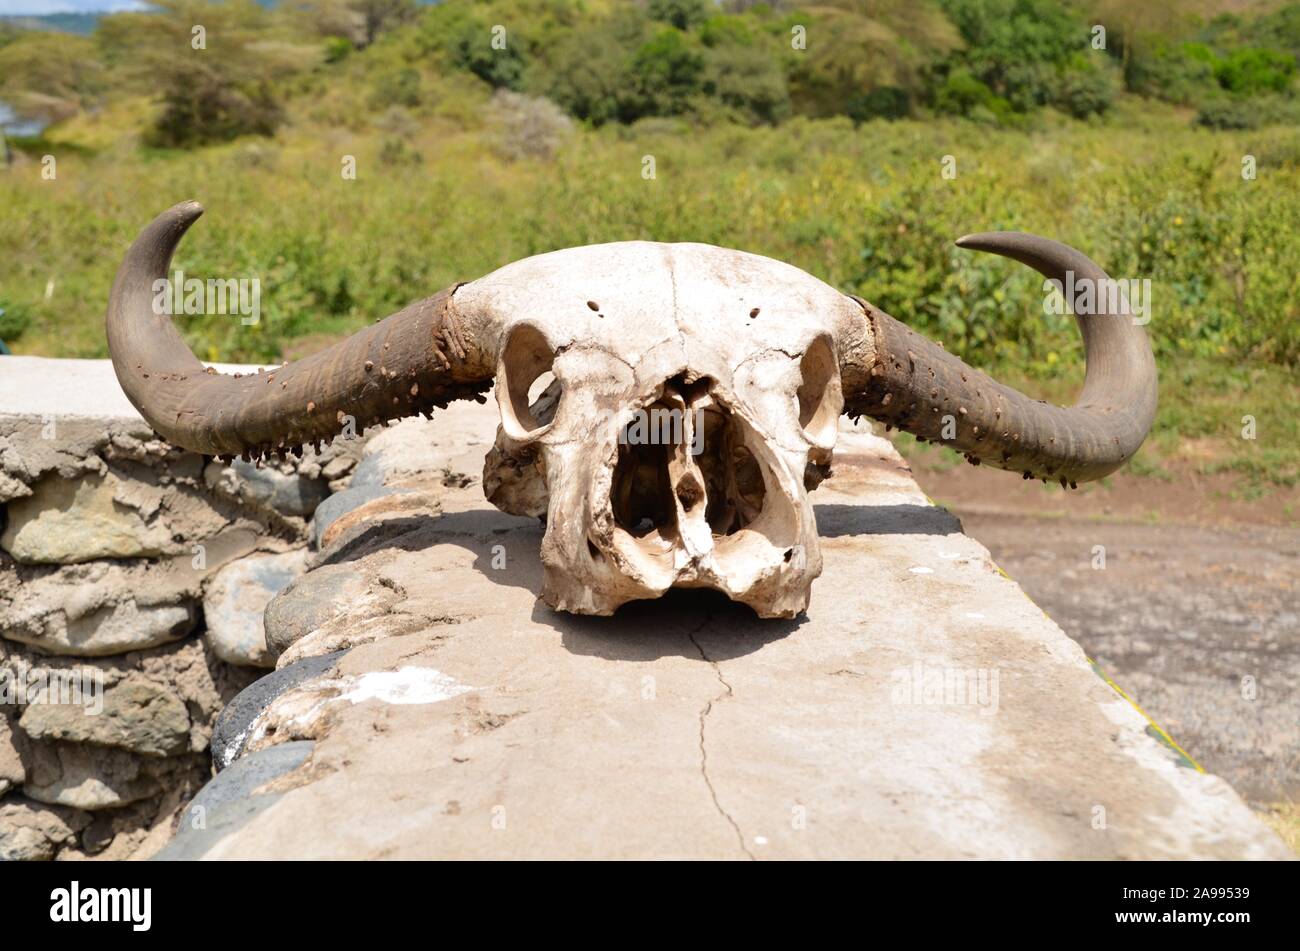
[
  {"x": 68, "y": 521},
  {"x": 87, "y": 777},
  {"x": 369, "y": 472},
  {"x": 418, "y": 447},
  {"x": 341, "y": 503},
  {"x": 32, "y": 832},
  {"x": 230, "y": 800},
  {"x": 117, "y": 625},
  {"x": 231, "y": 730},
  {"x": 12, "y": 771},
  {"x": 317, "y": 597},
  {"x": 287, "y": 492},
  {"x": 236, "y": 601},
  {"x": 137, "y": 715},
  {"x": 101, "y": 608}
]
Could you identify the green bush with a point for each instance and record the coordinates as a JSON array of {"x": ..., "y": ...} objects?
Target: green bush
[
  {"x": 883, "y": 102},
  {"x": 400, "y": 87},
  {"x": 1250, "y": 71},
  {"x": 14, "y": 319},
  {"x": 589, "y": 72},
  {"x": 669, "y": 74},
  {"x": 961, "y": 92},
  {"x": 1231, "y": 112},
  {"x": 1086, "y": 87},
  {"x": 337, "y": 48},
  {"x": 1181, "y": 73},
  {"x": 1016, "y": 47},
  {"x": 467, "y": 40},
  {"x": 1279, "y": 30},
  {"x": 683, "y": 14},
  {"x": 752, "y": 84}
]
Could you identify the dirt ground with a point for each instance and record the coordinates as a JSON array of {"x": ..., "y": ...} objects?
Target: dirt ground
[{"x": 1184, "y": 591}]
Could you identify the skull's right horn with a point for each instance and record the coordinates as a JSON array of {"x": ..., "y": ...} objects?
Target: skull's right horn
[
  {"x": 911, "y": 383},
  {"x": 421, "y": 357}
]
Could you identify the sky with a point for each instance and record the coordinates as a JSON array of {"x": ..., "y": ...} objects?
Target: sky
[{"x": 38, "y": 7}]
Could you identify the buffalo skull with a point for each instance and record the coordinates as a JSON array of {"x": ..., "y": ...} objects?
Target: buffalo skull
[{"x": 664, "y": 407}]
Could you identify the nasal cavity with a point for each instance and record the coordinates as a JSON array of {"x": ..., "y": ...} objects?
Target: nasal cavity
[
  {"x": 642, "y": 490},
  {"x": 685, "y": 456}
]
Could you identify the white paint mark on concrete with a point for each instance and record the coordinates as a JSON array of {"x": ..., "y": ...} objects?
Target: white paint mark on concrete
[
  {"x": 921, "y": 570},
  {"x": 405, "y": 686}
]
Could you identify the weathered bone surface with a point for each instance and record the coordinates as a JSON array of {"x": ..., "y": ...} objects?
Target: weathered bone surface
[
  {"x": 694, "y": 390},
  {"x": 665, "y": 407}
]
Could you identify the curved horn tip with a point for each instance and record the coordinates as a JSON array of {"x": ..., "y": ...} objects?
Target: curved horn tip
[
  {"x": 186, "y": 211},
  {"x": 985, "y": 240}
]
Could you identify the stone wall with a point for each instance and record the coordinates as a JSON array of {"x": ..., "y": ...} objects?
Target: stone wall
[{"x": 133, "y": 577}]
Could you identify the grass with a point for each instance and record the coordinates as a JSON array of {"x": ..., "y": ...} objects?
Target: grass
[
  {"x": 866, "y": 209},
  {"x": 1284, "y": 819}
]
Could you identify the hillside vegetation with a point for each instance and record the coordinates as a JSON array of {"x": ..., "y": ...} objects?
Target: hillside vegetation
[{"x": 1171, "y": 154}]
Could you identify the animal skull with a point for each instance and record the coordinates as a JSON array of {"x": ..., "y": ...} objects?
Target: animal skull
[
  {"x": 695, "y": 399},
  {"x": 665, "y": 407}
]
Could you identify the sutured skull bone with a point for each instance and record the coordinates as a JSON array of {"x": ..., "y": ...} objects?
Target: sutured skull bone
[
  {"x": 694, "y": 389},
  {"x": 665, "y": 407}
]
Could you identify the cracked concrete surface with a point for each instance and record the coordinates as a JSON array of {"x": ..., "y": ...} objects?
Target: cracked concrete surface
[
  {"x": 704, "y": 748},
  {"x": 923, "y": 708}
]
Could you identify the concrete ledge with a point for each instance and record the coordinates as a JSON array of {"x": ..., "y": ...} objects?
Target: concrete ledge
[
  {"x": 37, "y": 386},
  {"x": 924, "y": 707}
]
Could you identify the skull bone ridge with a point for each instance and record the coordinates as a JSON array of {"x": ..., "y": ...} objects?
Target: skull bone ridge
[{"x": 666, "y": 409}]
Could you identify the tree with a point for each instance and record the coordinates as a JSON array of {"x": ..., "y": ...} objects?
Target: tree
[
  {"x": 590, "y": 72},
  {"x": 1138, "y": 27},
  {"x": 683, "y": 14},
  {"x": 1029, "y": 53},
  {"x": 749, "y": 81},
  {"x": 669, "y": 72},
  {"x": 856, "y": 47},
  {"x": 50, "y": 76},
  {"x": 214, "y": 66},
  {"x": 380, "y": 15},
  {"x": 360, "y": 22}
]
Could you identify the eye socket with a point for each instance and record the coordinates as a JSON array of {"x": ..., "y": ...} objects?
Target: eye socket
[
  {"x": 526, "y": 386},
  {"x": 819, "y": 397}
]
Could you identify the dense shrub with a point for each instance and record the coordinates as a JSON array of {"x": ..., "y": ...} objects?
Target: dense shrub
[
  {"x": 14, "y": 319},
  {"x": 1250, "y": 70},
  {"x": 1227, "y": 112},
  {"x": 1086, "y": 86},
  {"x": 748, "y": 82},
  {"x": 1182, "y": 73},
  {"x": 682, "y": 14},
  {"x": 590, "y": 71},
  {"x": 1026, "y": 52},
  {"x": 669, "y": 74},
  {"x": 883, "y": 102},
  {"x": 457, "y": 31}
]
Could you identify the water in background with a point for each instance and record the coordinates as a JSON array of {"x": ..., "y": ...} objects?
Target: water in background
[{"x": 13, "y": 125}]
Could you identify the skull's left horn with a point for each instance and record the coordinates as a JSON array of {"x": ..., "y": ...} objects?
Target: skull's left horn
[
  {"x": 419, "y": 358},
  {"x": 916, "y": 385}
]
